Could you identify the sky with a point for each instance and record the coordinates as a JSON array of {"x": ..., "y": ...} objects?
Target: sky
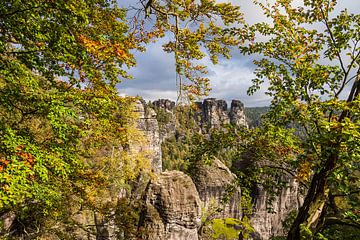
[{"x": 154, "y": 74}]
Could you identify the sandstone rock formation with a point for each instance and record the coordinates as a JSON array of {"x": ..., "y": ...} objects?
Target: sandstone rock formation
[
  {"x": 172, "y": 208},
  {"x": 211, "y": 113},
  {"x": 237, "y": 113},
  {"x": 165, "y": 104},
  {"x": 148, "y": 123},
  {"x": 93, "y": 226},
  {"x": 214, "y": 183},
  {"x": 215, "y": 113},
  {"x": 267, "y": 224}
]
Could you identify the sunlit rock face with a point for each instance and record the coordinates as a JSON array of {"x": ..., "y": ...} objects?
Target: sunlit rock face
[
  {"x": 148, "y": 124},
  {"x": 172, "y": 208},
  {"x": 210, "y": 114},
  {"x": 237, "y": 113},
  {"x": 214, "y": 113}
]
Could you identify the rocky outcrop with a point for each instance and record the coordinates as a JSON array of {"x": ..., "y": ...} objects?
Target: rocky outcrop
[
  {"x": 269, "y": 224},
  {"x": 94, "y": 226},
  {"x": 215, "y": 113},
  {"x": 211, "y": 113},
  {"x": 172, "y": 202},
  {"x": 216, "y": 186},
  {"x": 237, "y": 113},
  {"x": 165, "y": 104},
  {"x": 172, "y": 208},
  {"x": 148, "y": 123}
]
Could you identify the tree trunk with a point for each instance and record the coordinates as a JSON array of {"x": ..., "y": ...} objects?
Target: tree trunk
[{"x": 311, "y": 212}]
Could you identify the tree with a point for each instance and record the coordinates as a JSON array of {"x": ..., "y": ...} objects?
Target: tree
[
  {"x": 197, "y": 29},
  {"x": 59, "y": 64},
  {"x": 311, "y": 59}
]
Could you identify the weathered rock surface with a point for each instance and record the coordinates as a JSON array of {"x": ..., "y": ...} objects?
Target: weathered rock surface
[
  {"x": 215, "y": 113},
  {"x": 214, "y": 183},
  {"x": 211, "y": 113},
  {"x": 237, "y": 113},
  {"x": 165, "y": 104},
  {"x": 267, "y": 224},
  {"x": 172, "y": 208},
  {"x": 92, "y": 226},
  {"x": 148, "y": 123}
]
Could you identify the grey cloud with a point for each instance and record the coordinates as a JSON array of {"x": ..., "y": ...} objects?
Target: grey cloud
[{"x": 155, "y": 72}]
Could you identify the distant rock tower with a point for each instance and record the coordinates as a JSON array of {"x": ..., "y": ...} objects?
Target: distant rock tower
[
  {"x": 237, "y": 113},
  {"x": 215, "y": 113}
]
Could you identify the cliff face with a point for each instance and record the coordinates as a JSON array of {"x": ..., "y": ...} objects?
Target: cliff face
[
  {"x": 211, "y": 113},
  {"x": 148, "y": 124},
  {"x": 173, "y": 201},
  {"x": 269, "y": 224},
  {"x": 172, "y": 208},
  {"x": 215, "y": 183},
  {"x": 215, "y": 113},
  {"x": 165, "y": 108},
  {"x": 237, "y": 113},
  {"x": 172, "y": 211}
]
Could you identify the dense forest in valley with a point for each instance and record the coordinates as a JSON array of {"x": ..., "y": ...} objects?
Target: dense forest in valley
[{"x": 80, "y": 161}]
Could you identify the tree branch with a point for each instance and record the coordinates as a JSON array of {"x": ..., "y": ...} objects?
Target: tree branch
[
  {"x": 339, "y": 221},
  {"x": 353, "y": 93},
  {"x": 345, "y": 81},
  {"x": 333, "y": 40},
  {"x": 18, "y": 11}
]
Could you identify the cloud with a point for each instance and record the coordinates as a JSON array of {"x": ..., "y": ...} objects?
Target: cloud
[
  {"x": 231, "y": 80},
  {"x": 150, "y": 94},
  {"x": 155, "y": 71}
]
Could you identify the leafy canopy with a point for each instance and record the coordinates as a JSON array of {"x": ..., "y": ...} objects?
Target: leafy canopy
[
  {"x": 59, "y": 64},
  {"x": 65, "y": 133},
  {"x": 197, "y": 29},
  {"x": 311, "y": 61}
]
